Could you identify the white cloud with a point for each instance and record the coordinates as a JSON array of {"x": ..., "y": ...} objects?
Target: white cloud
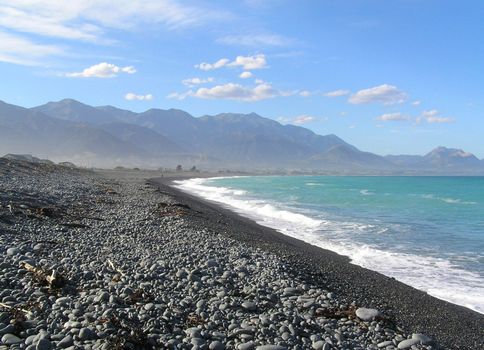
[
  {"x": 211, "y": 66},
  {"x": 305, "y": 93},
  {"x": 433, "y": 116},
  {"x": 179, "y": 96},
  {"x": 246, "y": 62},
  {"x": 250, "y": 62},
  {"x": 336, "y": 93},
  {"x": 416, "y": 103},
  {"x": 133, "y": 97},
  {"x": 24, "y": 20},
  {"x": 87, "y": 20},
  {"x": 232, "y": 91},
  {"x": 238, "y": 92},
  {"x": 255, "y": 40},
  {"x": 245, "y": 75},
  {"x": 102, "y": 70},
  {"x": 385, "y": 94},
  {"x": 303, "y": 119},
  {"x": 18, "y": 50},
  {"x": 197, "y": 81},
  {"x": 393, "y": 117}
]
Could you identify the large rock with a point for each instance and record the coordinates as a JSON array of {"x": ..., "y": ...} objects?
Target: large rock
[
  {"x": 13, "y": 251},
  {"x": 366, "y": 314},
  {"x": 66, "y": 342},
  {"x": 425, "y": 340},
  {"x": 43, "y": 344},
  {"x": 87, "y": 334},
  {"x": 246, "y": 346},
  {"x": 407, "y": 343},
  {"x": 249, "y": 305},
  {"x": 10, "y": 339},
  {"x": 216, "y": 345}
]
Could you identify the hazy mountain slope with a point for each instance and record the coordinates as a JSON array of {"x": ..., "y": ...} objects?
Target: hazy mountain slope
[
  {"x": 228, "y": 140},
  {"x": 29, "y": 131},
  {"x": 344, "y": 157},
  {"x": 441, "y": 159},
  {"x": 234, "y": 138},
  {"x": 72, "y": 110},
  {"x": 405, "y": 160},
  {"x": 142, "y": 137},
  {"x": 119, "y": 114},
  {"x": 257, "y": 139},
  {"x": 451, "y": 157}
]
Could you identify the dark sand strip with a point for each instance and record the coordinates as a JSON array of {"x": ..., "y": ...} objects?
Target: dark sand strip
[{"x": 453, "y": 326}]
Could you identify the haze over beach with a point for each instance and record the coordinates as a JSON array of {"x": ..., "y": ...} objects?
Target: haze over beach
[{"x": 260, "y": 174}]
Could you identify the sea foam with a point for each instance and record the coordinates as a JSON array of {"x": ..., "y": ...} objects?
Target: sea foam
[{"x": 438, "y": 277}]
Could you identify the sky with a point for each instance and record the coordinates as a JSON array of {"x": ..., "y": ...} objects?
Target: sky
[{"x": 388, "y": 76}]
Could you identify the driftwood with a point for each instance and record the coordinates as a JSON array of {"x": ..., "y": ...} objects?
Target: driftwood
[
  {"x": 111, "y": 265},
  {"x": 5, "y": 306},
  {"x": 53, "y": 280}
]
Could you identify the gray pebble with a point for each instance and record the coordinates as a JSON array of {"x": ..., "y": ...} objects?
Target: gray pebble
[
  {"x": 43, "y": 344},
  {"x": 87, "y": 334},
  {"x": 366, "y": 314}
]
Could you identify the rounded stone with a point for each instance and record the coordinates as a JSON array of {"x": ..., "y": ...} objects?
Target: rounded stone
[
  {"x": 13, "y": 251},
  {"x": 318, "y": 345},
  {"x": 43, "y": 344},
  {"x": 9, "y": 339},
  {"x": 425, "y": 340},
  {"x": 407, "y": 343},
  {"x": 216, "y": 345},
  {"x": 87, "y": 334},
  {"x": 249, "y": 305},
  {"x": 366, "y": 314}
]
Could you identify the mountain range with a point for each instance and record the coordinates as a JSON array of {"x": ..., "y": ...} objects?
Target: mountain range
[{"x": 107, "y": 136}]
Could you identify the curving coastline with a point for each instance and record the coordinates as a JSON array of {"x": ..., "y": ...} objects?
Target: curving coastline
[
  {"x": 454, "y": 326},
  {"x": 142, "y": 265}
]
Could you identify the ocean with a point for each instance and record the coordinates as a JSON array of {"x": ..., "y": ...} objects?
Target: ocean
[{"x": 427, "y": 232}]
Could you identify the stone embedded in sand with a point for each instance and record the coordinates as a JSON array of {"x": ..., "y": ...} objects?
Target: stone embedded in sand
[
  {"x": 407, "y": 343},
  {"x": 422, "y": 338},
  {"x": 366, "y": 314}
]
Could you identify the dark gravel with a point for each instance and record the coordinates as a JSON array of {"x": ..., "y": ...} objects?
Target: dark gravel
[{"x": 454, "y": 326}]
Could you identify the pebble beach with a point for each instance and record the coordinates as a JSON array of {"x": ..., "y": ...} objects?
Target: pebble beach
[{"x": 114, "y": 260}]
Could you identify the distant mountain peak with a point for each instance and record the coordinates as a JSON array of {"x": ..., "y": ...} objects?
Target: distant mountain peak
[
  {"x": 442, "y": 151},
  {"x": 69, "y": 128}
]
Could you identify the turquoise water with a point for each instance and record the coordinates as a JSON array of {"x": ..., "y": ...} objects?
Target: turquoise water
[{"x": 427, "y": 232}]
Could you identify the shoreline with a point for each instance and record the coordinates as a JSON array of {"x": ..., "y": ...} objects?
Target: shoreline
[
  {"x": 453, "y": 326},
  {"x": 138, "y": 264}
]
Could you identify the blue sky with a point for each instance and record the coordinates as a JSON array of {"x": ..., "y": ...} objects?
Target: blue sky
[{"x": 389, "y": 76}]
